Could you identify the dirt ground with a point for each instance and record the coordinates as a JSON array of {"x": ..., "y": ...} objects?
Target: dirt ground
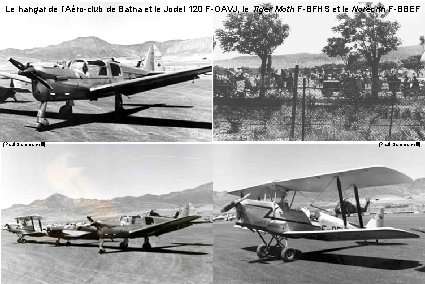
[
  {"x": 389, "y": 261},
  {"x": 183, "y": 256}
]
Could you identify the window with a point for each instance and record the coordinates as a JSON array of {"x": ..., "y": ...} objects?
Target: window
[{"x": 115, "y": 69}]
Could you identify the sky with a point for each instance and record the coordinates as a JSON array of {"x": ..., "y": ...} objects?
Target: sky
[
  {"x": 254, "y": 164},
  {"x": 101, "y": 171},
  {"x": 309, "y": 31},
  {"x": 27, "y": 30}
]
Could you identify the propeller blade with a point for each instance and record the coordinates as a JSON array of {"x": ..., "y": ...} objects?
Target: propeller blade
[
  {"x": 31, "y": 73},
  {"x": 234, "y": 203},
  {"x": 17, "y": 64},
  {"x": 42, "y": 81}
]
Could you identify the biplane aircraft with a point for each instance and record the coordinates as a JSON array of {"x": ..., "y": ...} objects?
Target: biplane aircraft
[
  {"x": 282, "y": 222},
  {"x": 129, "y": 227},
  {"x": 25, "y": 227},
  {"x": 96, "y": 79}
]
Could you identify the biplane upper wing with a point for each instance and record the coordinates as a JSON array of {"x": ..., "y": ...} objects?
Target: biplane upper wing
[
  {"x": 352, "y": 234},
  {"x": 361, "y": 177},
  {"x": 133, "y": 86},
  {"x": 163, "y": 228}
]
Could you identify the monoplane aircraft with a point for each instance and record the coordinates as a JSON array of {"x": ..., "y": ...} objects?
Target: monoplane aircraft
[
  {"x": 129, "y": 227},
  {"x": 96, "y": 79},
  {"x": 25, "y": 227},
  {"x": 282, "y": 222}
]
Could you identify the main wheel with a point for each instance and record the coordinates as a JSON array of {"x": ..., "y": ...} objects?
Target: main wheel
[
  {"x": 262, "y": 251},
  {"x": 147, "y": 246},
  {"x": 68, "y": 243},
  {"x": 23, "y": 241},
  {"x": 102, "y": 250},
  {"x": 65, "y": 111},
  {"x": 57, "y": 243},
  {"x": 288, "y": 254},
  {"x": 123, "y": 245}
]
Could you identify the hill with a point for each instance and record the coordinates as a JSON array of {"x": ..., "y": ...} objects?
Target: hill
[
  {"x": 310, "y": 60},
  {"x": 94, "y": 47},
  {"x": 58, "y": 207}
]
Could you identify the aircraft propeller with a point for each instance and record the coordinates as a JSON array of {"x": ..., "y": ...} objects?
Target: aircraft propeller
[
  {"x": 234, "y": 203},
  {"x": 29, "y": 71}
]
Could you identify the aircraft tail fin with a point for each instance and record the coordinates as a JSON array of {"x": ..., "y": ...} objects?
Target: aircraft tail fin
[
  {"x": 153, "y": 61},
  {"x": 377, "y": 221},
  {"x": 186, "y": 210}
]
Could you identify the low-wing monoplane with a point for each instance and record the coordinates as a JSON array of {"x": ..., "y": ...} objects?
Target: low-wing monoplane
[
  {"x": 129, "y": 227},
  {"x": 282, "y": 222},
  {"x": 96, "y": 79},
  {"x": 25, "y": 227}
]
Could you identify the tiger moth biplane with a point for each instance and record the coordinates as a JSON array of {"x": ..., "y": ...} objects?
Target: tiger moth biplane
[{"x": 282, "y": 222}]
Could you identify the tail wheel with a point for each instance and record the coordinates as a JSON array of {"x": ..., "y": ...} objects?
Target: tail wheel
[
  {"x": 288, "y": 254},
  {"x": 262, "y": 251}
]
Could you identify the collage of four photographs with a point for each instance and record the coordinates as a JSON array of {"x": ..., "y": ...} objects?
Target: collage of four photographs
[{"x": 216, "y": 142}]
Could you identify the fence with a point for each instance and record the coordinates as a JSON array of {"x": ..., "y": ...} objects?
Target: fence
[{"x": 318, "y": 111}]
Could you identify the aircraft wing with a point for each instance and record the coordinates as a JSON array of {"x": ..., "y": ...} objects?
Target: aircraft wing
[
  {"x": 133, "y": 86},
  {"x": 362, "y": 177},
  {"x": 163, "y": 228},
  {"x": 16, "y": 77},
  {"x": 352, "y": 234}
]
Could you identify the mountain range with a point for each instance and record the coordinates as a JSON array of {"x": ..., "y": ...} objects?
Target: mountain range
[
  {"x": 310, "y": 60},
  {"x": 60, "y": 207},
  {"x": 94, "y": 47}
]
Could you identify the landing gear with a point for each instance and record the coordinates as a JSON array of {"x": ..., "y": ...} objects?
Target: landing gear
[
  {"x": 264, "y": 250},
  {"x": 58, "y": 242},
  {"x": 124, "y": 244},
  {"x": 21, "y": 240},
  {"x": 101, "y": 249},
  {"x": 65, "y": 111},
  {"x": 68, "y": 243},
  {"x": 146, "y": 246},
  {"x": 288, "y": 254},
  {"x": 42, "y": 123}
]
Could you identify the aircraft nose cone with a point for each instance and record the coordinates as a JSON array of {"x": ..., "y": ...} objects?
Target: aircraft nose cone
[{"x": 27, "y": 71}]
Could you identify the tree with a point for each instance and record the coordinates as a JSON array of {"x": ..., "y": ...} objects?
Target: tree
[
  {"x": 338, "y": 47},
  {"x": 414, "y": 63},
  {"x": 255, "y": 34},
  {"x": 370, "y": 35}
]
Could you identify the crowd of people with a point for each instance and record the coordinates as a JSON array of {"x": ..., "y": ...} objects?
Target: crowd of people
[{"x": 352, "y": 82}]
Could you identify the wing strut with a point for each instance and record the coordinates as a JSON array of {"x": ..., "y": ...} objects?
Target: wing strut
[
  {"x": 341, "y": 201},
  {"x": 359, "y": 209}
]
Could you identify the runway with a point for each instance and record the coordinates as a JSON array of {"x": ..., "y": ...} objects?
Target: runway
[
  {"x": 390, "y": 261},
  {"x": 183, "y": 256},
  {"x": 181, "y": 112}
]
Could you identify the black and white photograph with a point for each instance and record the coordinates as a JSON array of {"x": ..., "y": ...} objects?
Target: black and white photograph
[
  {"x": 97, "y": 75},
  {"x": 312, "y": 213},
  {"x": 320, "y": 71},
  {"x": 107, "y": 213}
]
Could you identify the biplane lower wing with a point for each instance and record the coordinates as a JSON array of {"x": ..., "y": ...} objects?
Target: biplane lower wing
[
  {"x": 130, "y": 87},
  {"x": 352, "y": 234},
  {"x": 163, "y": 228}
]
